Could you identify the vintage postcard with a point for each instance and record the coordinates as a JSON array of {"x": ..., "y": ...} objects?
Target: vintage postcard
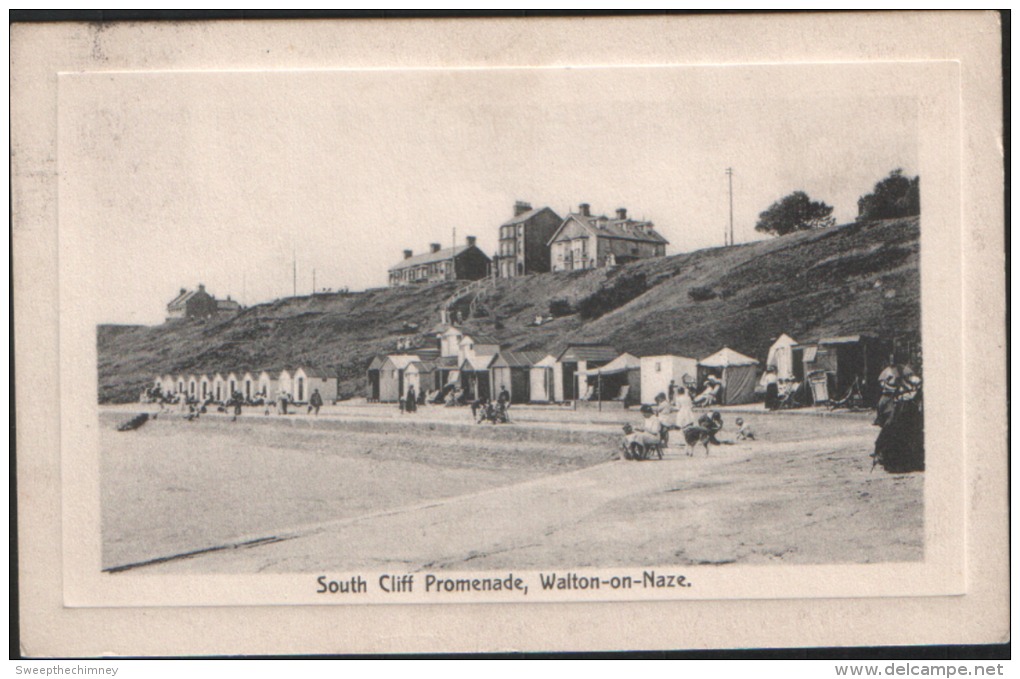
[{"x": 360, "y": 324}]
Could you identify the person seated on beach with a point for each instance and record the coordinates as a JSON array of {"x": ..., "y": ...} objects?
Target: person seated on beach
[
  {"x": 478, "y": 406},
  {"x": 744, "y": 431},
  {"x": 709, "y": 396},
  {"x": 713, "y": 422},
  {"x": 648, "y": 433}
]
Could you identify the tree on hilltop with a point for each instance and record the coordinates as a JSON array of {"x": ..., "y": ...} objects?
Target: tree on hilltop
[
  {"x": 895, "y": 196},
  {"x": 795, "y": 212}
]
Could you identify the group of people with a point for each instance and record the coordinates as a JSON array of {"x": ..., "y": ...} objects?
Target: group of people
[
  {"x": 674, "y": 411},
  {"x": 900, "y": 444}
]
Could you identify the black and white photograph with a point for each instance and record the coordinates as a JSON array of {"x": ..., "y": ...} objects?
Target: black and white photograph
[
  {"x": 336, "y": 334},
  {"x": 622, "y": 322}
]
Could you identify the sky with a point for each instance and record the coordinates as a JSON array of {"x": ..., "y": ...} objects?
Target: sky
[{"x": 228, "y": 178}]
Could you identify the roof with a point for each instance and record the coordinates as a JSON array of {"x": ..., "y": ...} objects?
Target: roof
[
  {"x": 231, "y": 304},
  {"x": 181, "y": 298},
  {"x": 621, "y": 363},
  {"x": 279, "y": 373},
  {"x": 622, "y": 229},
  {"x": 432, "y": 257},
  {"x": 376, "y": 361},
  {"x": 547, "y": 361},
  {"x": 518, "y": 359},
  {"x": 587, "y": 352},
  {"x": 479, "y": 338},
  {"x": 726, "y": 357},
  {"x": 422, "y": 366},
  {"x": 845, "y": 339},
  {"x": 401, "y": 361},
  {"x": 314, "y": 372},
  {"x": 479, "y": 364},
  {"x": 446, "y": 362},
  {"x": 781, "y": 341},
  {"x": 525, "y": 216}
]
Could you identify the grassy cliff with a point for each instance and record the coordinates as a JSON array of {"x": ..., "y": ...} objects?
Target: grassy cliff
[{"x": 860, "y": 277}]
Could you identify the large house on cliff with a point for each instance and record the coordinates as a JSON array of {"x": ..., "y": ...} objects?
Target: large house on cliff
[
  {"x": 199, "y": 304},
  {"x": 460, "y": 263},
  {"x": 524, "y": 241},
  {"x": 584, "y": 241}
]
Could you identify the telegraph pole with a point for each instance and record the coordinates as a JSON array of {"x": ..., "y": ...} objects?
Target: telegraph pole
[
  {"x": 313, "y": 281},
  {"x": 729, "y": 175},
  {"x": 294, "y": 259}
]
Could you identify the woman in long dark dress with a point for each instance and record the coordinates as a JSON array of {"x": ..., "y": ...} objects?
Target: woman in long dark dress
[{"x": 900, "y": 445}]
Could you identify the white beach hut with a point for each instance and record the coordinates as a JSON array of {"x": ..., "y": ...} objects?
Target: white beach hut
[{"x": 658, "y": 371}]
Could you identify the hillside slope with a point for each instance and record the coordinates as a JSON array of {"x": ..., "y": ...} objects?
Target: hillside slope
[{"x": 860, "y": 277}]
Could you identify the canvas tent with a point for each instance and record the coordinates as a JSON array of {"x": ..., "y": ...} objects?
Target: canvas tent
[
  {"x": 781, "y": 356},
  {"x": 621, "y": 377},
  {"x": 658, "y": 371},
  {"x": 737, "y": 372},
  {"x": 541, "y": 380}
]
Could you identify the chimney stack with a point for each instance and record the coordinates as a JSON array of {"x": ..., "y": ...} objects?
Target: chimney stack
[
  {"x": 470, "y": 241},
  {"x": 585, "y": 209},
  {"x": 183, "y": 290},
  {"x": 520, "y": 207},
  {"x": 408, "y": 253},
  {"x": 621, "y": 213},
  {"x": 201, "y": 288},
  {"x": 434, "y": 247}
]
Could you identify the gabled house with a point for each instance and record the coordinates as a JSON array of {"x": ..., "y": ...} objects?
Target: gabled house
[
  {"x": 459, "y": 263},
  {"x": 583, "y": 241},
  {"x": 198, "y": 304},
  {"x": 524, "y": 241}
]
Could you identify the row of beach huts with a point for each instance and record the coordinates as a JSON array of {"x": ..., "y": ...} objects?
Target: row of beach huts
[
  {"x": 475, "y": 364},
  {"x": 298, "y": 384}
]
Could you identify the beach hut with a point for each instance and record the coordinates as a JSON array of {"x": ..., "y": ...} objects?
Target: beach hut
[
  {"x": 192, "y": 386},
  {"x": 423, "y": 376},
  {"x": 166, "y": 384},
  {"x": 204, "y": 387},
  {"x": 182, "y": 385},
  {"x": 844, "y": 360},
  {"x": 249, "y": 385},
  {"x": 658, "y": 371},
  {"x": 447, "y": 371},
  {"x": 285, "y": 383},
  {"x": 574, "y": 360},
  {"x": 474, "y": 376},
  {"x": 233, "y": 384},
  {"x": 266, "y": 386},
  {"x": 512, "y": 369},
  {"x": 781, "y": 356},
  {"x": 618, "y": 380},
  {"x": 373, "y": 377},
  {"x": 308, "y": 380},
  {"x": 219, "y": 388},
  {"x": 391, "y": 377},
  {"x": 738, "y": 373},
  {"x": 541, "y": 378}
]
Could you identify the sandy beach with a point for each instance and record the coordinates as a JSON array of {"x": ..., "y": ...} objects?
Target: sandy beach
[{"x": 366, "y": 488}]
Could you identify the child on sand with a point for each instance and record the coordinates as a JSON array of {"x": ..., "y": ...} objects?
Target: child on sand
[{"x": 744, "y": 431}]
